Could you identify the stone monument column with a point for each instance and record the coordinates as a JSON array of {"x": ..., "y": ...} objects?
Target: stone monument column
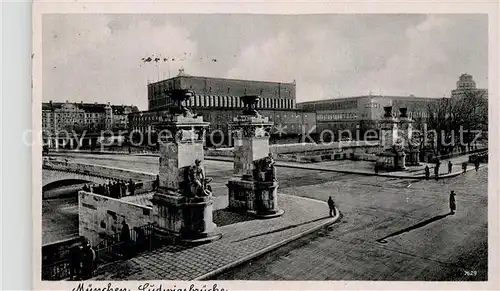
[
  {"x": 254, "y": 187},
  {"x": 392, "y": 156},
  {"x": 409, "y": 144},
  {"x": 183, "y": 203}
]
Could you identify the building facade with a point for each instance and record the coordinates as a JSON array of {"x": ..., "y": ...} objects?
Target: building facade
[
  {"x": 222, "y": 93},
  {"x": 218, "y": 100},
  {"x": 288, "y": 123},
  {"x": 467, "y": 85},
  {"x": 359, "y": 114},
  {"x": 91, "y": 118}
]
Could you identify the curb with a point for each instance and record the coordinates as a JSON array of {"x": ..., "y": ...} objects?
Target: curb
[
  {"x": 267, "y": 249},
  {"x": 420, "y": 177}
]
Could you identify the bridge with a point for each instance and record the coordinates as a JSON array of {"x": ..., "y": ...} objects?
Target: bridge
[{"x": 59, "y": 172}]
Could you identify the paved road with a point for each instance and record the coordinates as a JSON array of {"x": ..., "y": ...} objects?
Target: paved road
[
  {"x": 60, "y": 217},
  {"x": 422, "y": 242}
]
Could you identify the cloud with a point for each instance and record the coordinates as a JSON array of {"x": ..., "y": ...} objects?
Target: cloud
[
  {"x": 98, "y": 57},
  {"x": 91, "y": 60},
  {"x": 424, "y": 59}
]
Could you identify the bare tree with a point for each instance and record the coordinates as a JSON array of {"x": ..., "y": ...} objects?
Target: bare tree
[{"x": 451, "y": 116}]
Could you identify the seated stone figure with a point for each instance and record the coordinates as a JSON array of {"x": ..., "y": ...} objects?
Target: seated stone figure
[
  {"x": 197, "y": 182},
  {"x": 264, "y": 169}
]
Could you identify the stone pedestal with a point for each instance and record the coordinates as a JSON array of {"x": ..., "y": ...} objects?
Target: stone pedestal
[
  {"x": 408, "y": 142},
  {"x": 392, "y": 156},
  {"x": 256, "y": 198},
  {"x": 412, "y": 157},
  {"x": 391, "y": 161},
  {"x": 188, "y": 219},
  {"x": 253, "y": 189},
  {"x": 183, "y": 204}
]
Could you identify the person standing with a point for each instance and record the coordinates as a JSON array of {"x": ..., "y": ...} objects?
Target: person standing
[
  {"x": 156, "y": 183},
  {"x": 331, "y": 205},
  {"x": 476, "y": 164},
  {"x": 464, "y": 167},
  {"x": 88, "y": 259},
  {"x": 125, "y": 239},
  {"x": 131, "y": 187},
  {"x": 75, "y": 261},
  {"x": 436, "y": 171},
  {"x": 450, "y": 166},
  {"x": 453, "y": 204},
  {"x": 427, "y": 172}
]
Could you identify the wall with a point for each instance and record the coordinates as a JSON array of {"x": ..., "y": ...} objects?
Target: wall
[
  {"x": 308, "y": 149},
  {"x": 216, "y": 86},
  {"x": 57, "y": 251},
  {"x": 221, "y": 87},
  {"x": 100, "y": 215}
]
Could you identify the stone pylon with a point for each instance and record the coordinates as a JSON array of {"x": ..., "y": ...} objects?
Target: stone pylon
[
  {"x": 410, "y": 145},
  {"x": 392, "y": 156},
  {"x": 183, "y": 204},
  {"x": 253, "y": 190}
]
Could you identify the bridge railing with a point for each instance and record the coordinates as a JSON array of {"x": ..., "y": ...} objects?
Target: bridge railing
[
  {"x": 97, "y": 170},
  {"x": 111, "y": 248}
]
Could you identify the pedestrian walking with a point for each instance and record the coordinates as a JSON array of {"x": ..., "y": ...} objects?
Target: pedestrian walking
[
  {"x": 436, "y": 172},
  {"x": 476, "y": 164},
  {"x": 453, "y": 204},
  {"x": 331, "y": 205},
  {"x": 464, "y": 167},
  {"x": 450, "y": 166},
  {"x": 427, "y": 172}
]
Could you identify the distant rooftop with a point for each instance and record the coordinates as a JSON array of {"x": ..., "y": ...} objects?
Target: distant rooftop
[
  {"x": 410, "y": 97},
  {"x": 182, "y": 74},
  {"x": 90, "y": 107}
]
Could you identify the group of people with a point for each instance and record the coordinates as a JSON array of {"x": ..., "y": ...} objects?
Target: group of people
[
  {"x": 450, "y": 168},
  {"x": 82, "y": 260},
  {"x": 114, "y": 189}
]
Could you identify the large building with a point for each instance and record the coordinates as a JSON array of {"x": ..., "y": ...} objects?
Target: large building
[
  {"x": 362, "y": 113},
  {"x": 218, "y": 100},
  {"x": 467, "y": 85},
  {"x": 59, "y": 117},
  {"x": 222, "y": 93}
]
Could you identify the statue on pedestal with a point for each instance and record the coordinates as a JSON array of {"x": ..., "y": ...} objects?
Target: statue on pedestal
[
  {"x": 265, "y": 170},
  {"x": 198, "y": 183},
  {"x": 179, "y": 96}
]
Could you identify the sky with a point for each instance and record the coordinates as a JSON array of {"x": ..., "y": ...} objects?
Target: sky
[{"x": 98, "y": 57}]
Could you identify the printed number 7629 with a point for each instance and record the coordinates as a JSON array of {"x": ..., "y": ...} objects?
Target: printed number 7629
[{"x": 470, "y": 273}]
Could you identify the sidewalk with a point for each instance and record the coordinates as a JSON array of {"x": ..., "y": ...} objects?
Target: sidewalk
[
  {"x": 243, "y": 238},
  {"x": 366, "y": 168}
]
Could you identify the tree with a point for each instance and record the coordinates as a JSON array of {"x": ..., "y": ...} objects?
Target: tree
[{"x": 451, "y": 116}]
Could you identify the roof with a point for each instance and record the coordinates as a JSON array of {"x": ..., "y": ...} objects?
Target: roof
[
  {"x": 408, "y": 98},
  {"x": 222, "y": 79},
  {"x": 90, "y": 107}
]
